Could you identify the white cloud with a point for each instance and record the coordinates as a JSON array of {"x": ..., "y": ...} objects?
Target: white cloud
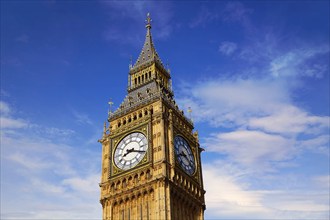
[
  {"x": 42, "y": 176},
  {"x": 238, "y": 12},
  {"x": 12, "y": 123},
  {"x": 227, "y": 48},
  {"x": 319, "y": 144},
  {"x": 223, "y": 190},
  {"x": 82, "y": 118},
  {"x": 322, "y": 181},
  {"x": 258, "y": 132},
  {"x": 302, "y": 62},
  {"x": 4, "y": 108},
  {"x": 57, "y": 181},
  {"x": 224, "y": 102},
  {"x": 226, "y": 187},
  {"x": 307, "y": 204},
  {"x": 251, "y": 148},
  {"x": 86, "y": 184},
  {"x": 290, "y": 120},
  {"x": 263, "y": 128},
  {"x": 8, "y": 122},
  {"x": 34, "y": 164}
]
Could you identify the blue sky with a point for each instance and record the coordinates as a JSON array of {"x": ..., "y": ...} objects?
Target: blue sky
[{"x": 255, "y": 73}]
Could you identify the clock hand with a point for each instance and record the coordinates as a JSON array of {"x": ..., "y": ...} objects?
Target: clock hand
[
  {"x": 133, "y": 150},
  {"x": 138, "y": 151},
  {"x": 128, "y": 151},
  {"x": 183, "y": 154}
]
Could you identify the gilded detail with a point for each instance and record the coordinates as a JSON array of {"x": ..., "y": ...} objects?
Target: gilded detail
[{"x": 151, "y": 164}]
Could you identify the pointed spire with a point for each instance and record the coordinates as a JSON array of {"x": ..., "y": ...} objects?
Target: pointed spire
[{"x": 148, "y": 52}]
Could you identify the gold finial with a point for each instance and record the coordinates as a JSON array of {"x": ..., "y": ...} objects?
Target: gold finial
[
  {"x": 189, "y": 111},
  {"x": 148, "y": 25}
]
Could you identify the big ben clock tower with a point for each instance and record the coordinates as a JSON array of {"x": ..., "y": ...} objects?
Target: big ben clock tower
[{"x": 151, "y": 163}]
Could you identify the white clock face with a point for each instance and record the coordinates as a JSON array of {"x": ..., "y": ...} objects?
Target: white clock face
[
  {"x": 130, "y": 150},
  {"x": 184, "y": 155}
]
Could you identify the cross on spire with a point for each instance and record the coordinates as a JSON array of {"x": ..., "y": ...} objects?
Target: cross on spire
[{"x": 148, "y": 20}]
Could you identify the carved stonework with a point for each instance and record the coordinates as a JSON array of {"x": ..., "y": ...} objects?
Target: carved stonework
[{"x": 149, "y": 179}]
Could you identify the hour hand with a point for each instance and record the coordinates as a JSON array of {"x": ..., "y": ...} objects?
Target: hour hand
[
  {"x": 183, "y": 154},
  {"x": 128, "y": 151}
]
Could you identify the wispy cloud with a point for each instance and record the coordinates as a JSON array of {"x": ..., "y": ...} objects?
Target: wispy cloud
[
  {"x": 254, "y": 149},
  {"x": 231, "y": 12},
  {"x": 7, "y": 120},
  {"x": 290, "y": 120},
  {"x": 302, "y": 62},
  {"x": 226, "y": 102},
  {"x": 227, "y": 188},
  {"x": 225, "y": 191},
  {"x": 4, "y": 108},
  {"x": 227, "y": 48},
  {"x": 12, "y": 123},
  {"x": 204, "y": 16},
  {"x": 51, "y": 175},
  {"x": 258, "y": 130},
  {"x": 82, "y": 118},
  {"x": 235, "y": 11}
]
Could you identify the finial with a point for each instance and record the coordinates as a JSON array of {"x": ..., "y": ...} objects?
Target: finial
[
  {"x": 148, "y": 25},
  {"x": 104, "y": 129},
  {"x": 110, "y": 104},
  {"x": 167, "y": 66},
  {"x": 130, "y": 62},
  {"x": 189, "y": 111}
]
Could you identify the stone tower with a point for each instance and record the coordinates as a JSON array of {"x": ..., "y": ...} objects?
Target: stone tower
[{"x": 151, "y": 163}]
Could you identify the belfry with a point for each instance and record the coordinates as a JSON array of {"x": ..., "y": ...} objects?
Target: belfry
[{"x": 151, "y": 163}]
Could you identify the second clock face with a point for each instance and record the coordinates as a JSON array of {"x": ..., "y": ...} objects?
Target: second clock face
[
  {"x": 184, "y": 155},
  {"x": 130, "y": 150}
]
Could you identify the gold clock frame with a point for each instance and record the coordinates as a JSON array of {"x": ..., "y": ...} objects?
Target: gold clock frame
[{"x": 145, "y": 130}]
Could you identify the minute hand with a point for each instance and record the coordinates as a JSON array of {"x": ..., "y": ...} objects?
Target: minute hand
[{"x": 138, "y": 151}]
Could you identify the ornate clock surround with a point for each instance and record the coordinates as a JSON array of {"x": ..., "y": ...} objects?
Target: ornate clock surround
[
  {"x": 194, "y": 146},
  {"x": 115, "y": 140}
]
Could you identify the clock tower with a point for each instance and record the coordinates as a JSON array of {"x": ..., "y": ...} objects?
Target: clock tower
[{"x": 151, "y": 163}]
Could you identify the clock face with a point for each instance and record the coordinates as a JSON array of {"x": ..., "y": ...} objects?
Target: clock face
[
  {"x": 184, "y": 155},
  {"x": 130, "y": 150}
]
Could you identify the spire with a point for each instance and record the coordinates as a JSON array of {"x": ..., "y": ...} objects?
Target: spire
[{"x": 148, "y": 52}]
